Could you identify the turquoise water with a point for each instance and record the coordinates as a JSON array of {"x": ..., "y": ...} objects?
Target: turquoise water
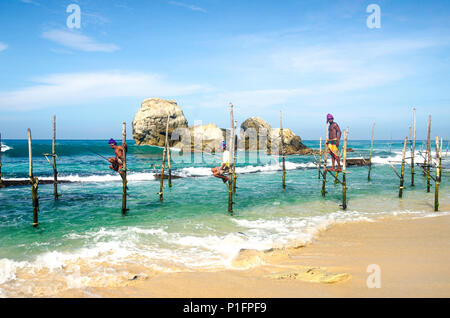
[{"x": 84, "y": 240}]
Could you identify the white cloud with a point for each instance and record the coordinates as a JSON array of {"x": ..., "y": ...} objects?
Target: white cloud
[
  {"x": 78, "y": 88},
  {"x": 3, "y": 46},
  {"x": 320, "y": 72},
  {"x": 188, "y": 6},
  {"x": 30, "y": 2},
  {"x": 78, "y": 41}
]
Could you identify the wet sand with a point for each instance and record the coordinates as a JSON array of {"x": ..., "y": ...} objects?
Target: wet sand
[{"x": 412, "y": 254}]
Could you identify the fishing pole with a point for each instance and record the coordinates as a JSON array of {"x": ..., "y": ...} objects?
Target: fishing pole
[{"x": 99, "y": 155}]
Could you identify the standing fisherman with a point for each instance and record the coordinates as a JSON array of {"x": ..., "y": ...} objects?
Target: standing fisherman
[
  {"x": 334, "y": 135},
  {"x": 117, "y": 161}
]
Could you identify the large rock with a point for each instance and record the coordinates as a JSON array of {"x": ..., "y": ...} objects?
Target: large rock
[
  {"x": 269, "y": 138},
  {"x": 255, "y": 134},
  {"x": 149, "y": 124},
  {"x": 292, "y": 143},
  {"x": 202, "y": 138}
]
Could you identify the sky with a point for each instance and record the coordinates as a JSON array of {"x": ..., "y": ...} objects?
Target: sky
[{"x": 305, "y": 58}]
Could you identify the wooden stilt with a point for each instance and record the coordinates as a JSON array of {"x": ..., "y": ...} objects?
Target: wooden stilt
[
  {"x": 325, "y": 159},
  {"x": 402, "y": 173},
  {"x": 390, "y": 145},
  {"x": 232, "y": 171},
  {"x": 33, "y": 181},
  {"x": 0, "y": 159},
  {"x": 124, "y": 167},
  {"x": 413, "y": 149},
  {"x": 282, "y": 152},
  {"x": 371, "y": 150},
  {"x": 168, "y": 152},
  {"x": 320, "y": 157},
  {"x": 438, "y": 176},
  {"x": 161, "y": 184},
  {"x": 344, "y": 173},
  {"x": 428, "y": 166},
  {"x": 55, "y": 171},
  {"x": 234, "y": 158}
]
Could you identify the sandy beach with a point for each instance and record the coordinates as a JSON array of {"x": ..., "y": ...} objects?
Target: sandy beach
[{"x": 412, "y": 255}]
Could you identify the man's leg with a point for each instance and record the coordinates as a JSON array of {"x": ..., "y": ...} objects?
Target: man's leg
[{"x": 339, "y": 163}]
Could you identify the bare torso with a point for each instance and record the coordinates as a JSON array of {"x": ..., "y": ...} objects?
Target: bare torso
[{"x": 334, "y": 132}]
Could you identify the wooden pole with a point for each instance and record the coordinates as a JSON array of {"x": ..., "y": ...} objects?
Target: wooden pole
[
  {"x": 402, "y": 174},
  {"x": 413, "y": 149},
  {"x": 390, "y": 145},
  {"x": 230, "y": 181},
  {"x": 168, "y": 151},
  {"x": 0, "y": 159},
  {"x": 344, "y": 173},
  {"x": 438, "y": 177},
  {"x": 428, "y": 166},
  {"x": 325, "y": 159},
  {"x": 124, "y": 167},
  {"x": 282, "y": 151},
  {"x": 55, "y": 171},
  {"x": 234, "y": 158},
  {"x": 320, "y": 157},
  {"x": 33, "y": 181},
  {"x": 161, "y": 183},
  {"x": 371, "y": 150}
]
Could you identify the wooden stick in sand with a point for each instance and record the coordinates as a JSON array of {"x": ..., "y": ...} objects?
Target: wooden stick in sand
[
  {"x": 428, "y": 165},
  {"x": 371, "y": 150},
  {"x": 0, "y": 159},
  {"x": 33, "y": 181},
  {"x": 344, "y": 173},
  {"x": 438, "y": 176},
  {"x": 325, "y": 159},
  {"x": 168, "y": 152},
  {"x": 234, "y": 157},
  {"x": 413, "y": 149},
  {"x": 124, "y": 167},
  {"x": 282, "y": 152},
  {"x": 390, "y": 145},
  {"x": 161, "y": 183},
  {"x": 320, "y": 157},
  {"x": 402, "y": 173},
  {"x": 55, "y": 171},
  {"x": 232, "y": 171}
]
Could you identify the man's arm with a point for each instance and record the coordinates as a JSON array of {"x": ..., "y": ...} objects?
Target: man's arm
[{"x": 338, "y": 133}]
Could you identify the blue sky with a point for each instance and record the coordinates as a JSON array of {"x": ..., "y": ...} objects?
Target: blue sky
[{"x": 306, "y": 58}]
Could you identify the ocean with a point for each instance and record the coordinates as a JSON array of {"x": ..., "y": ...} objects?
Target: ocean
[{"x": 84, "y": 240}]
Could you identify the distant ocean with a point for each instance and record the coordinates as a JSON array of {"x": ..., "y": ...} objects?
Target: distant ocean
[{"x": 84, "y": 240}]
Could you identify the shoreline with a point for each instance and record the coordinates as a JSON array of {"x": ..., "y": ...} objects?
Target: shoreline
[{"x": 412, "y": 255}]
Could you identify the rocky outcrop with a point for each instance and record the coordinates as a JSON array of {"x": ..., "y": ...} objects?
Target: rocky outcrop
[
  {"x": 202, "y": 138},
  {"x": 149, "y": 124},
  {"x": 292, "y": 143},
  {"x": 257, "y": 134}
]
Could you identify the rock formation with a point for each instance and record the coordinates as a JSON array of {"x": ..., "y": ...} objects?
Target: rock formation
[
  {"x": 202, "y": 138},
  {"x": 149, "y": 124},
  {"x": 257, "y": 134},
  {"x": 292, "y": 143}
]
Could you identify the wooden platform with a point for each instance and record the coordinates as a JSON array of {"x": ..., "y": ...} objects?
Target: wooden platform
[
  {"x": 166, "y": 176},
  {"x": 358, "y": 162}
]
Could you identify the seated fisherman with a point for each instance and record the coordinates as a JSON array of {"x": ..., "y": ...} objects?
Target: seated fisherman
[{"x": 219, "y": 172}]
